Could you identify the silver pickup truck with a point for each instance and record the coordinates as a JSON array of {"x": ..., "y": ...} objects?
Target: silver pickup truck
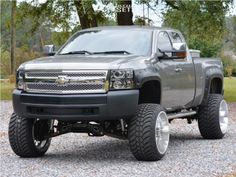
[{"x": 124, "y": 82}]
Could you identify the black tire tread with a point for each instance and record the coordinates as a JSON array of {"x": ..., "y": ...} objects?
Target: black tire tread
[
  {"x": 208, "y": 118},
  {"x": 20, "y": 137},
  {"x": 141, "y": 141}
]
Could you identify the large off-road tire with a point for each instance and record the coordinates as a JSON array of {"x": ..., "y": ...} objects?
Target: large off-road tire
[
  {"x": 26, "y": 136},
  {"x": 149, "y": 133},
  {"x": 213, "y": 117}
]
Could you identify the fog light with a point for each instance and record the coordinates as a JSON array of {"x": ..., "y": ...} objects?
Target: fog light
[{"x": 20, "y": 85}]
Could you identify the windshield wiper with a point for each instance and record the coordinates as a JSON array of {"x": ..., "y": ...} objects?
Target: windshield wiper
[
  {"x": 77, "y": 52},
  {"x": 113, "y": 52},
  {"x": 90, "y": 53}
]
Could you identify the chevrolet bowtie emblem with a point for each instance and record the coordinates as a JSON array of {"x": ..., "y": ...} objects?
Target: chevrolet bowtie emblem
[{"x": 62, "y": 80}]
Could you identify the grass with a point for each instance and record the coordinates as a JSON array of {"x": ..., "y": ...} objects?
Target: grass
[
  {"x": 229, "y": 89},
  {"x": 6, "y": 91}
]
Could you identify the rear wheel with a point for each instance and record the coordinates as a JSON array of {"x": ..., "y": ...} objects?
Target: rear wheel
[
  {"x": 28, "y": 137},
  {"x": 149, "y": 133},
  {"x": 213, "y": 117}
]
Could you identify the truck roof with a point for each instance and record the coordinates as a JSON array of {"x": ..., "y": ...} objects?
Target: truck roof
[{"x": 129, "y": 27}]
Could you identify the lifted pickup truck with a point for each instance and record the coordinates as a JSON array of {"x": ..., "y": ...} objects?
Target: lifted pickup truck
[{"x": 125, "y": 82}]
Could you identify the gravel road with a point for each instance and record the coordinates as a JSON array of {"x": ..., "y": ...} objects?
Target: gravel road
[{"x": 80, "y": 155}]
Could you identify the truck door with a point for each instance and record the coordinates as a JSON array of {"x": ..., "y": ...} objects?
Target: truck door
[
  {"x": 185, "y": 72},
  {"x": 177, "y": 76}
]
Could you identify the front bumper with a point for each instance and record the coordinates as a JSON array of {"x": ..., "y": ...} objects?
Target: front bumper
[{"x": 110, "y": 106}]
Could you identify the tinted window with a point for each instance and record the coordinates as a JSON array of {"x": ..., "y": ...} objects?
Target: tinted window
[
  {"x": 163, "y": 41},
  {"x": 136, "y": 42},
  {"x": 175, "y": 37}
]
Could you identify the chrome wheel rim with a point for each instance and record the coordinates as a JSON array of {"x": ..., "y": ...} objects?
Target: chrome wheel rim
[
  {"x": 162, "y": 132},
  {"x": 40, "y": 144},
  {"x": 223, "y": 116}
]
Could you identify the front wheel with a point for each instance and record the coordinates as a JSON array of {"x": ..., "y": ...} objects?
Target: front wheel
[
  {"x": 213, "y": 117},
  {"x": 149, "y": 133},
  {"x": 28, "y": 137}
]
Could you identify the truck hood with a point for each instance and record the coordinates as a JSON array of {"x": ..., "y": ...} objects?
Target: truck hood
[{"x": 70, "y": 62}]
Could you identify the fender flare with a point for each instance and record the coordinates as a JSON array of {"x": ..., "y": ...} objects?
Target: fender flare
[
  {"x": 156, "y": 94},
  {"x": 149, "y": 78},
  {"x": 211, "y": 74}
]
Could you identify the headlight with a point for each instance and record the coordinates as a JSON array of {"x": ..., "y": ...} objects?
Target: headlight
[
  {"x": 19, "y": 79},
  {"x": 122, "y": 79}
]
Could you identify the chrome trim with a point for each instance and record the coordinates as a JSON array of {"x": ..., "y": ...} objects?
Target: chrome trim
[
  {"x": 71, "y": 79},
  {"x": 223, "y": 116},
  {"x": 96, "y": 81},
  {"x": 66, "y": 72},
  {"x": 181, "y": 114},
  {"x": 162, "y": 132},
  {"x": 65, "y": 92}
]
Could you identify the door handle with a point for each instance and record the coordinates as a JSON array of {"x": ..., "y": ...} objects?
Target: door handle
[{"x": 178, "y": 69}]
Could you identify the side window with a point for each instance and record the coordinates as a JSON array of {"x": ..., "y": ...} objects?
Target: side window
[
  {"x": 175, "y": 37},
  {"x": 163, "y": 41}
]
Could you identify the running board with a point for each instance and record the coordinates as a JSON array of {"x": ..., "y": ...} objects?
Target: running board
[{"x": 181, "y": 114}]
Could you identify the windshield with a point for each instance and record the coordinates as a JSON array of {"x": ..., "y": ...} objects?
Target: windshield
[{"x": 137, "y": 42}]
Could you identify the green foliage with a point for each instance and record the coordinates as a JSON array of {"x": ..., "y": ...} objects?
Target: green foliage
[
  {"x": 201, "y": 22},
  {"x": 229, "y": 65},
  {"x": 230, "y": 34},
  {"x": 25, "y": 34},
  {"x": 6, "y": 90},
  {"x": 59, "y": 38},
  {"x": 21, "y": 55},
  {"x": 207, "y": 48},
  {"x": 47, "y": 22},
  {"x": 56, "y": 13},
  {"x": 41, "y": 20},
  {"x": 5, "y": 24},
  {"x": 142, "y": 21},
  {"x": 5, "y": 64},
  {"x": 41, "y": 23}
]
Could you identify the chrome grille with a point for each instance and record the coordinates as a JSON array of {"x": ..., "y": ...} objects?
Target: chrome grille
[
  {"x": 66, "y": 82},
  {"x": 69, "y": 74}
]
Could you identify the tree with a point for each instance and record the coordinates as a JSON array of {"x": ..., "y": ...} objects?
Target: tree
[
  {"x": 201, "y": 22},
  {"x": 13, "y": 10},
  {"x": 60, "y": 13},
  {"x": 86, "y": 13},
  {"x": 234, "y": 32},
  {"x": 230, "y": 34},
  {"x": 142, "y": 21},
  {"x": 5, "y": 24}
]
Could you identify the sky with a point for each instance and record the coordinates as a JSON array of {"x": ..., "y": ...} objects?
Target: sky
[{"x": 233, "y": 8}]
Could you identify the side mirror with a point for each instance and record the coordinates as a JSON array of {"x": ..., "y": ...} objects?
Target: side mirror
[
  {"x": 172, "y": 54},
  {"x": 49, "y": 50},
  {"x": 179, "y": 46},
  {"x": 179, "y": 51}
]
